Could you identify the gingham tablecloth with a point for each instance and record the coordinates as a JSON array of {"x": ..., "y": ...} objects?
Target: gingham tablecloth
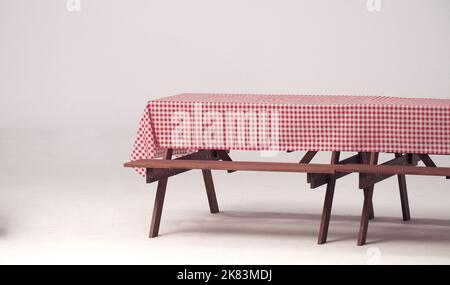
[{"x": 293, "y": 122}]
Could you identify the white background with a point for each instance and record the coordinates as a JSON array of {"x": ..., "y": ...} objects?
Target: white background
[{"x": 74, "y": 84}]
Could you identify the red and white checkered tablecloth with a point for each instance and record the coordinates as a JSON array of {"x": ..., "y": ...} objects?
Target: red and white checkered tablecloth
[{"x": 293, "y": 122}]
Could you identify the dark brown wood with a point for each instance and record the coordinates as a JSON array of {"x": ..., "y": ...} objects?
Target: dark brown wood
[
  {"x": 394, "y": 169},
  {"x": 371, "y": 210},
  {"x": 410, "y": 157},
  {"x": 290, "y": 167},
  {"x": 319, "y": 179},
  {"x": 403, "y": 192},
  {"x": 309, "y": 155},
  {"x": 162, "y": 169},
  {"x": 364, "y": 158},
  {"x": 231, "y": 165},
  {"x": 365, "y": 216},
  {"x": 367, "y": 180},
  {"x": 210, "y": 191},
  {"x": 159, "y": 199},
  {"x": 367, "y": 205},
  {"x": 154, "y": 174},
  {"x": 427, "y": 160},
  {"x": 225, "y": 157},
  {"x": 328, "y": 202}
]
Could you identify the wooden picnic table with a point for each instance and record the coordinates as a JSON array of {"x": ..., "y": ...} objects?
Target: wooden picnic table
[{"x": 201, "y": 129}]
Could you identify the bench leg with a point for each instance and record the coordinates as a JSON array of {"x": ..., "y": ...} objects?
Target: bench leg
[
  {"x": 210, "y": 192},
  {"x": 367, "y": 206},
  {"x": 328, "y": 203},
  {"x": 403, "y": 194},
  {"x": 159, "y": 200}
]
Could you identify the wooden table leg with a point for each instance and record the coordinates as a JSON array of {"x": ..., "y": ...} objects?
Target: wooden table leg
[
  {"x": 210, "y": 191},
  {"x": 371, "y": 211},
  {"x": 364, "y": 159},
  {"x": 367, "y": 205},
  {"x": 159, "y": 200},
  {"x": 223, "y": 154},
  {"x": 308, "y": 157},
  {"x": 403, "y": 193},
  {"x": 328, "y": 203}
]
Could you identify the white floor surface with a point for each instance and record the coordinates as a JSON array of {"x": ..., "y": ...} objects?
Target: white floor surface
[{"x": 66, "y": 199}]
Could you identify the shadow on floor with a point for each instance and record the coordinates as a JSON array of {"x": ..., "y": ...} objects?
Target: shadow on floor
[
  {"x": 2, "y": 227},
  {"x": 342, "y": 227}
]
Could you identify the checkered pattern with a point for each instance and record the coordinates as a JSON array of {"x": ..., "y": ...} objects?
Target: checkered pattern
[{"x": 305, "y": 123}]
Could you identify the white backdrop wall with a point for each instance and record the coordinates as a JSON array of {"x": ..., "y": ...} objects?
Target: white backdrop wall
[{"x": 95, "y": 69}]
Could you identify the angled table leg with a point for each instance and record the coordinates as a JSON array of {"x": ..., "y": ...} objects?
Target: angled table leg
[
  {"x": 210, "y": 191},
  {"x": 367, "y": 206},
  {"x": 371, "y": 211},
  {"x": 223, "y": 154},
  {"x": 364, "y": 159},
  {"x": 308, "y": 157},
  {"x": 159, "y": 200},
  {"x": 403, "y": 192},
  {"x": 328, "y": 203}
]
